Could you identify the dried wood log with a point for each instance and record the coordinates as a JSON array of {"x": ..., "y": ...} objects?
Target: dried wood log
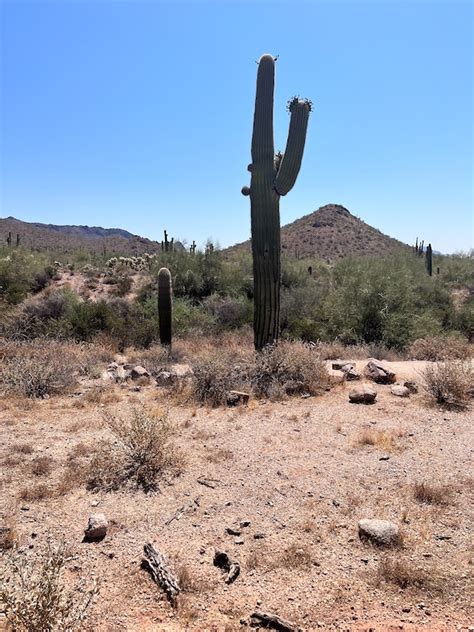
[
  {"x": 272, "y": 621},
  {"x": 156, "y": 565}
]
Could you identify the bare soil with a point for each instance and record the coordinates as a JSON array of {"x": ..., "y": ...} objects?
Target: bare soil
[{"x": 299, "y": 472}]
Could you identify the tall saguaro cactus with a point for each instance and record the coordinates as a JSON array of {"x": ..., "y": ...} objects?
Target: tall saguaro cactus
[
  {"x": 271, "y": 176},
  {"x": 165, "y": 306},
  {"x": 429, "y": 260}
]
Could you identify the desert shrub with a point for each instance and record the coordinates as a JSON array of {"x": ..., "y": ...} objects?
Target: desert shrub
[
  {"x": 288, "y": 364},
  {"x": 218, "y": 372},
  {"x": 140, "y": 454},
  {"x": 22, "y": 273},
  {"x": 229, "y": 312},
  {"x": 441, "y": 348},
  {"x": 449, "y": 383},
  {"x": 34, "y": 596},
  {"x": 39, "y": 369},
  {"x": 123, "y": 285}
]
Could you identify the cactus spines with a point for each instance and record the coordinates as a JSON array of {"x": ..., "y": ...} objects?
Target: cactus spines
[
  {"x": 429, "y": 259},
  {"x": 272, "y": 175},
  {"x": 165, "y": 306}
]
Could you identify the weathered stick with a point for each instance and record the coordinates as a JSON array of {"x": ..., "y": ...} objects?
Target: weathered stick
[
  {"x": 273, "y": 621},
  {"x": 157, "y": 566}
]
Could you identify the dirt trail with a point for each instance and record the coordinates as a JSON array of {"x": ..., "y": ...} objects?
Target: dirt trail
[{"x": 300, "y": 474}]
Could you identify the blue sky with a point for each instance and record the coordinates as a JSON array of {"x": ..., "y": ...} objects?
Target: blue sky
[{"x": 138, "y": 114}]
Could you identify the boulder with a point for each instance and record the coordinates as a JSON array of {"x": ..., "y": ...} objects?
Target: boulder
[
  {"x": 400, "y": 391},
  {"x": 379, "y": 372},
  {"x": 166, "y": 378},
  {"x": 362, "y": 395},
  {"x": 350, "y": 372},
  {"x": 379, "y": 532},
  {"x": 97, "y": 527}
]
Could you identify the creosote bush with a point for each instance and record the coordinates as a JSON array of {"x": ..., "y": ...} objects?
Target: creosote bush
[
  {"x": 449, "y": 384},
  {"x": 39, "y": 369},
  {"x": 34, "y": 597},
  {"x": 288, "y": 367},
  {"x": 441, "y": 348},
  {"x": 140, "y": 454}
]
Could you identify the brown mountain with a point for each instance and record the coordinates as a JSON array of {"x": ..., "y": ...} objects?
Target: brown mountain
[
  {"x": 330, "y": 233},
  {"x": 68, "y": 239}
]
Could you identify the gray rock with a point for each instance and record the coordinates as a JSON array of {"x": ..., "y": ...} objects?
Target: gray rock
[
  {"x": 166, "y": 378},
  {"x": 379, "y": 372},
  {"x": 97, "y": 527},
  {"x": 362, "y": 395},
  {"x": 400, "y": 391},
  {"x": 379, "y": 532}
]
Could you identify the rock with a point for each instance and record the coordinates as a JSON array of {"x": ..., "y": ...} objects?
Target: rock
[
  {"x": 400, "y": 391},
  {"x": 379, "y": 372},
  {"x": 294, "y": 387},
  {"x": 97, "y": 527},
  {"x": 338, "y": 364},
  {"x": 236, "y": 398},
  {"x": 232, "y": 531},
  {"x": 380, "y": 532},
  {"x": 411, "y": 386},
  {"x": 166, "y": 378},
  {"x": 362, "y": 395},
  {"x": 139, "y": 373},
  {"x": 350, "y": 372}
]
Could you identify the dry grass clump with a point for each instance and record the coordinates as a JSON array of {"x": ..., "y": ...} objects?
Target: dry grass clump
[
  {"x": 42, "y": 465},
  {"x": 156, "y": 358},
  {"x": 432, "y": 494},
  {"x": 338, "y": 351},
  {"x": 39, "y": 369},
  {"x": 9, "y": 531},
  {"x": 377, "y": 438},
  {"x": 441, "y": 348},
  {"x": 140, "y": 454},
  {"x": 288, "y": 367},
  {"x": 23, "y": 448},
  {"x": 33, "y": 594},
  {"x": 33, "y": 493},
  {"x": 402, "y": 572},
  {"x": 449, "y": 384}
]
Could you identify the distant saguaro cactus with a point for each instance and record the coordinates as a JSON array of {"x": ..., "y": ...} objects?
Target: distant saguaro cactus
[
  {"x": 9, "y": 239},
  {"x": 17, "y": 240},
  {"x": 429, "y": 259},
  {"x": 165, "y": 306},
  {"x": 272, "y": 175}
]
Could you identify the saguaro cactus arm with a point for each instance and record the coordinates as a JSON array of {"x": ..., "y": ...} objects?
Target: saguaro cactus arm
[{"x": 291, "y": 162}]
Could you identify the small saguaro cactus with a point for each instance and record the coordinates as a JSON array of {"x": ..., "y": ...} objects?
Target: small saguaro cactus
[
  {"x": 9, "y": 239},
  {"x": 165, "y": 306},
  {"x": 272, "y": 175},
  {"x": 429, "y": 259},
  {"x": 17, "y": 240}
]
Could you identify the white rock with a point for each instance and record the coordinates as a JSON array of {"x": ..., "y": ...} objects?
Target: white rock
[{"x": 380, "y": 532}]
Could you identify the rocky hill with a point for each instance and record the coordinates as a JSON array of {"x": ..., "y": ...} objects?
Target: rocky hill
[
  {"x": 68, "y": 239},
  {"x": 331, "y": 233}
]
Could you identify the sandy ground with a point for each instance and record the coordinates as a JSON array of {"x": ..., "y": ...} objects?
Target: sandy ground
[{"x": 294, "y": 470}]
